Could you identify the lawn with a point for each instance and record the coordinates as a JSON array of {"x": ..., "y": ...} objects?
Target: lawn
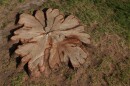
[{"x": 108, "y": 23}]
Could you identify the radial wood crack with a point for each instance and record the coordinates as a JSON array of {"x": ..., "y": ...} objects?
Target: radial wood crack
[{"x": 50, "y": 41}]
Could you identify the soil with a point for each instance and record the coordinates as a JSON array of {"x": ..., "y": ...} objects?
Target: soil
[{"x": 107, "y": 65}]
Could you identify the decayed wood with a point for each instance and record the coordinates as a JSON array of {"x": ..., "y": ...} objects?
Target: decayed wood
[{"x": 53, "y": 40}]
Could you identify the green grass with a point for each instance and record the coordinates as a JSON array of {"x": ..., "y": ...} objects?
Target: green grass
[
  {"x": 112, "y": 16},
  {"x": 17, "y": 80},
  {"x": 4, "y": 2},
  {"x": 21, "y": 1}
]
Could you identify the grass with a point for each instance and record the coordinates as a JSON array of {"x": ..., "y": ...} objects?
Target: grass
[
  {"x": 21, "y": 1},
  {"x": 3, "y": 25},
  {"x": 17, "y": 80},
  {"x": 112, "y": 16},
  {"x": 4, "y": 2}
]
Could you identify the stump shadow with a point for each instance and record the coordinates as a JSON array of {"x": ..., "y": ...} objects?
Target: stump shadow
[{"x": 15, "y": 45}]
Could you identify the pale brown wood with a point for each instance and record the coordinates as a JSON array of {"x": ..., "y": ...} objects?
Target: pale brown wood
[{"x": 62, "y": 38}]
